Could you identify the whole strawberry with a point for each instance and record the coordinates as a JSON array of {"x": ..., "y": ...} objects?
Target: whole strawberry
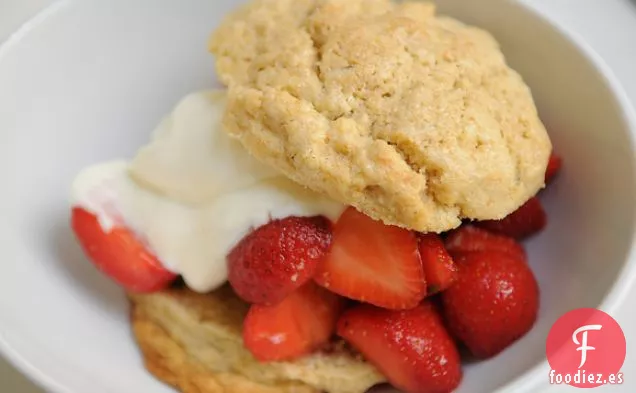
[
  {"x": 493, "y": 303},
  {"x": 554, "y": 167},
  {"x": 277, "y": 258},
  {"x": 469, "y": 238},
  {"x": 526, "y": 221},
  {"x": 410, "y": 347}
]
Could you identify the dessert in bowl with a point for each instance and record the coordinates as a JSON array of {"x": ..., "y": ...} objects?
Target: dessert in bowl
[{"x": 549, "y": 271}]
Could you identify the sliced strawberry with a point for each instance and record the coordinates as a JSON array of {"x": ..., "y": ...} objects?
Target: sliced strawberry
[
  {"x": 528, "y": 220},
  {"x": 469, "y": 238},
  {"x": 277, "y": 258},
  {"x": 410, "y": 347},
  {"x": 119, "y": 254},
  {"x": 493, "y": 303},
  {"x": 554, "y": 166},
  {"x": 373, "y": 263},
  {"x": 439, "y": 269},
  {"x": 299, "y": 324}
]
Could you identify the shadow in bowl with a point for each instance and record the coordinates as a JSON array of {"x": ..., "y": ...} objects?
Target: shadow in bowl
[
  {"x": 383, "y": 388},
  {"x": 68, "y": 254}
]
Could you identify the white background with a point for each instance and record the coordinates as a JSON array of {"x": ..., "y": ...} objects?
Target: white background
[{"x": 609, "y": 26}]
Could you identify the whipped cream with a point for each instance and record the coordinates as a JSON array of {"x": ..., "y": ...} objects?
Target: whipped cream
[{"x": 193, "y": 193}]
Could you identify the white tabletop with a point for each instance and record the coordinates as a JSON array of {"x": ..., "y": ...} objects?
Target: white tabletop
[{"x": 609, "y": 26}]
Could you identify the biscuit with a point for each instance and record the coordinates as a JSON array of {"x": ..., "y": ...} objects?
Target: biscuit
[
  {"x": 193, "y": 342},
  {"x": 412, "y": 118}
]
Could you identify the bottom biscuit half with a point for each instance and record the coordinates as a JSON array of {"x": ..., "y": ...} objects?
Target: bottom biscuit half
[{"x": 193, "y": 342}]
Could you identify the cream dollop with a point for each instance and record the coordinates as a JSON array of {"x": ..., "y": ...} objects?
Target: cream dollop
[{"x": 193, "y": 192}]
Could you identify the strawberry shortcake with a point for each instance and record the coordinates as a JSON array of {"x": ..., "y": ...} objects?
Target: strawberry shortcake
[{"x": 348, "y": 211}]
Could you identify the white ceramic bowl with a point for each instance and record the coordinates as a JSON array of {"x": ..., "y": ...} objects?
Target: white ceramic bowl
[{"x": 86, "y": 81}]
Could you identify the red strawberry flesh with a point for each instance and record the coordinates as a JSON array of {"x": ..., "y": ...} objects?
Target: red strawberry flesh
[
  {"x": 374, "y": 263},
  {"x": 119, "y": 254},
  {"x": 410, "y": 347},
  {"x": 439, "y": 269},
  {"x": 299, "y": 324}
]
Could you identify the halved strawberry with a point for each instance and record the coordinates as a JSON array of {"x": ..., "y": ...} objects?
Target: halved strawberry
[
  {"x": 299, "y": 324},
  {"x": 410, "y": 347},
  {"x": 119, "y": 254},
  {"x": 439, "y": 269},
  {"x": 554, "y": 166},
  {"x": 373, "y": 263},
  {"x": 469, "y": 238},
  {"x": 528, "y": 220}
]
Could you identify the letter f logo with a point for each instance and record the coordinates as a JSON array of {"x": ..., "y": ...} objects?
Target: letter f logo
[{"x": 583, "y": 343}]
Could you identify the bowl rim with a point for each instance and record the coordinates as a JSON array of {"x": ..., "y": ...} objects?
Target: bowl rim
[{"x": 532, "y": 378}]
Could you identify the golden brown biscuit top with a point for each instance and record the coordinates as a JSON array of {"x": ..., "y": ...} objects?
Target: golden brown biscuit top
[{"x": 411, "y": 118}]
